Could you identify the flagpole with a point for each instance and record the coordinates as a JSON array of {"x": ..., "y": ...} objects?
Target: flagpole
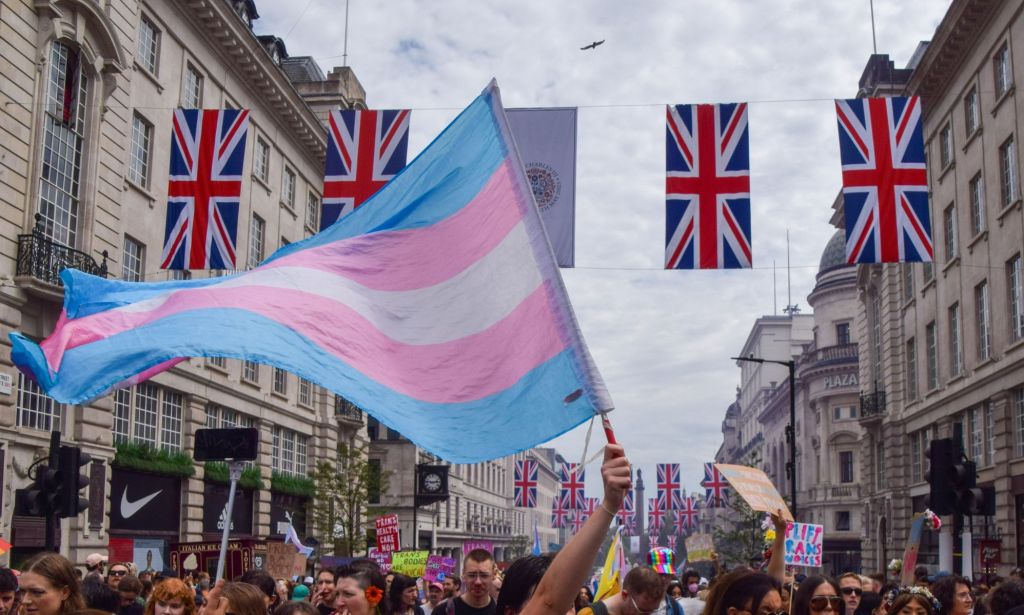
[{"x": 609, "y": 433}]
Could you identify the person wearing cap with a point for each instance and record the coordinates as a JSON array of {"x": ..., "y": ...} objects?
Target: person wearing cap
[
  {"x": 435, "y": 594},
  {"x": 94, "y": 563},
  {"x": 660, "y": 559},
  {"x": 301, "y": 592}
]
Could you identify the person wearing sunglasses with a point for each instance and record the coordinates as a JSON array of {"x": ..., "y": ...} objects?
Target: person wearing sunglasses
[
  {"x": 852, "y": 589},
  {"x": 117, "y": 572},
  {"x": 818, "y": 596}
]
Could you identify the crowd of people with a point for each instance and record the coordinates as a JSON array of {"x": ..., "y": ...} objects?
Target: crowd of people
[{"x": 49, "y": 584}]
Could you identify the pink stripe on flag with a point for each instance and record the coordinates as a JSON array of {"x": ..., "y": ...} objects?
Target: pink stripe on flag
[
  {"x": 465, "y": 369},
  {"x": 416, "y": 258}
]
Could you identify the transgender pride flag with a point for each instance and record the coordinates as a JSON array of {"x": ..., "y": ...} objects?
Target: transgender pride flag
[{"x": 437, "y": 307}]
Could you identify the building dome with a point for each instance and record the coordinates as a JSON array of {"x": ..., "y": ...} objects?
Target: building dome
[{"x": 834, "y": 254}]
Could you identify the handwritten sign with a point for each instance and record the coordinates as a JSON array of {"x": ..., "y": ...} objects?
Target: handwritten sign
[
  {"x": 471, "y": 545},
  {"x": 388, "y": 538},
  {"x": 989, "y": 553},
  {"x": 438, "y": 567},
  {"x": 280, "y": 560},
  {"x": 298, "y": 566},
  {"x": 804, "y": 544},
  {"x": 409, "y": 563},
  {"x": 756, "y": 488},
  {"x": 381, "y": 558},
  {"x": 699, "y": 547},
  {"x": 913, "y": 545}
]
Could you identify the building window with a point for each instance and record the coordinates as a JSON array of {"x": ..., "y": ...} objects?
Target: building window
[
  {"x": 261, "y": 160},
  {"x": 257, "y": 233},
  {"x": 373, "y": 488},
  {"x": 949, "y": 231},
  {"x": 932, "y": 356},
  {"x": 990, "y": 433},
  {"x": 972, "y": 119},
  {"x": 880, "y": 464},
  {"x": 220, "y": 362},
  {"x": 179, "y": 274},
  {"x": 976, "y": 436},
  {"x": 1008, "y": 171},
  {"x": 36, "y": 409},
  {"x": 876, "y": 338},
  {"x": 64, "y": 128},
  {"x": 132, "y": 260},
  {"x": 288, "y": 188},
  {"x": 977, "y": 204},
  {"x": 280, "y": 381},
  {"x": 846, "y": 466},
  {"x": 956, "y": 358},
  {"x": 908, "y": 281},
  {"x": 149, "y": 45},
  {"x": 1001, "y": 67},
  {"x": 192, "y": 92},
  {"x": 911, "y": 370},
  {"x": 1015, "y": 294},
  {"x": 139, "y": 161},
  {"x": 928, "y": 269},
  {"x": 288, "y": 452},
  {"x": 305, "y": 392},
  {"x": 843, "y": 333},
  {"x": 982, "y": 320},
  {"x": 149, "y": 414},
  {"x": 946, "y": 145},
  {"x": 372, "y": 429},
  {"x": 312, "y": 212},
  {"x": 915, "y": 457},
  {"x": 250, "y": 371},
  {"x": 842, "y": 521}
]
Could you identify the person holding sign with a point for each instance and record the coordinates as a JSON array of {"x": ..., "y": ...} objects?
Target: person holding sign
[{"x": 818, "y": 596}]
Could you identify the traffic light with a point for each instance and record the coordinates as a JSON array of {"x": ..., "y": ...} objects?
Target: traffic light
[
  {"x": 968, "y": 498},
  {"x": 942, "y": 497},
  {"x": 69, "y": 501},
  {"x": 42, "y": 497}
]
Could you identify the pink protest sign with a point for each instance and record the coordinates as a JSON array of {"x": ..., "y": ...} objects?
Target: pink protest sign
[
  {"x": 470, "y": 545},
  {"x": 388, "y": 538},
  {"x": 804, "y": 544},
  {"x": 381, "y": 558},
  {"x": 438, "y": 567}
]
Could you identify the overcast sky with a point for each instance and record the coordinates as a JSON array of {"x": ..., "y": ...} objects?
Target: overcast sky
[{"x": 661, "y": 339}]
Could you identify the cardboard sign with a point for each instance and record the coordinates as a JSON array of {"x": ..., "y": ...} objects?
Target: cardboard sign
[
  {"x": 388, "y": 538},
  {"x": 756, "y": 488},
  {"x": 910, "y": 551},
  {"x": 381, "y": 558},
  {"x": 470, "y": 545},
  {"x": 280, "y": 560},
  {"x": 804, "y": 543},
  {"x": 410, "y": 563},
  {"x": 699, "y": 547},
  {"x": 438, "y": 567},
  {"x": 298, "y": 566}
]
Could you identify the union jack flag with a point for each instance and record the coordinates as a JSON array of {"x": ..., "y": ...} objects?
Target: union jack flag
[
  {"x": 885, "y": 185},
  {"x": 559, "y": 513},
  {"x": 626, "y": 513},
  {"x": 686, "y": 517},
  {"x": 715, "y": 487},
  {"x": 572, "y": 486},
  {"x": 205, "y": 185},
  {"x": 576, "y": 520},
  {"x": 670, "y": 541},
  {"x": 707, "y": 187},
  {"x": 655, "y": 514},
  {"x": 525, "y": 483},
  {"x": 365, "y": 149},
  {"x": 668, "y": 486},
  {"x": 654, "y": 536}
]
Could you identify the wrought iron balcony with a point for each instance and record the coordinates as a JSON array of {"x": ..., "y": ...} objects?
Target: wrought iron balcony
[
  {"x": 872, "y": 406},
  {"x": 43, "y": 259},
  {"x": 347, "y": 411}
]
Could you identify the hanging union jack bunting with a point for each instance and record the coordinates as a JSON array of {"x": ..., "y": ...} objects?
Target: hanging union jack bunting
[
  {"x": 715, "y": 487},
  {"x": 525, "y": 484},
  {"x": 365, "y": 149},
  {"x": 669, "y": 495},
  {"x": 207, "y": 154},
  {"x": 572, "y": 486},
  {"x": 885, "y": 186},
  {"x": 707, "y": 187},
  {"x": 686, "y": 517},
  {"x": 655, "y": 514},
  {"x": 627, "y": 513},
  {"x": 559, "y": 513}
]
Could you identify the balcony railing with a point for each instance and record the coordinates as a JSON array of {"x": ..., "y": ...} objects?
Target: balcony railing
[
  {"x": 44, "y": 259},
  {"x": 346, "y": 410},
  {"x": 841, "y": 353},
  {"x": 872, "y": 406}
]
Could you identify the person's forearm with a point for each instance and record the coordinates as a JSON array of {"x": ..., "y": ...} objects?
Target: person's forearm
[{"x": 777, "y": 564}]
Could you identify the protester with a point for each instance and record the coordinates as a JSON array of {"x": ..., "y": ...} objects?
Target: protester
[
  {"x": 94, "y": 563},
  {"x": 921, "y": 576},
  {"x": 818, "y": 595},
  {"x": 852, "y": 590},
  {"x": 241, "y": 599},
  {"x": 954, "y": 594},
  {"x": 675, "y": 590},
  {"x": 171, "y": 597},
  {"x": 521, "y": 579},
  {"x": 117, "y": 572},
  {"x": 100, "y": 596},
  {"x": 914, "y": 600},
  {"x": 8, "y": 591},
  {"x": 691, "y": 583},
  {"x": 296, "y": 607},
  {"x": 266, "y": 584},
  {"x": 360, "y": 591},
  {"x": 130, "y": 589},
  {"x": 478, "y": 570},
  {"x": 323, "y": 597},
  {"x": 583, "y": 598},
  {"x": 661, "y": 560},
  {"x": 49, "y": 586},
  {"x": 435, "y": 593},
  {"x": 300, "y": 593},
  {"x": 452, "y": 586},
  {"x": 870, "y": 604},
  {"x": 643, "y": 592},
  {"x": 744, "y": 591},
  {"x": 1006, "y": 597},
  {"x": 403, "y": 596}
]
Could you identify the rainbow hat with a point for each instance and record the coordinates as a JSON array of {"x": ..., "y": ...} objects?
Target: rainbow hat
[{"x": 660, "y": 558}]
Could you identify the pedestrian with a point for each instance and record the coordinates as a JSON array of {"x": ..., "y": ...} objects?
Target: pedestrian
[
  {"x": 94, "y": 563},
  {"x": 130, "y": 589},
  {"x": 100, "y": 596},
  {"x": 300, "y": 593},
  {"x": 818, "y": 595},
  {"x": 745, "y": 591},
  {"x": 435, "y": 593},
  {"x": 642, "y": 593},
  {"x": 296, "y": 607},
  {"x": 870, "y": 604},
  {"x": 852, "y": 589},
  {"x": 478, "y": 569},
  {"x": 404, "y": 596},
  {"x": 452, "y": 586},
  {"x": 116, "y": 573},
  {"x": 954, "y": 595},
  {"x": 1006, "y": 597},
  {"x": 323, "y": 595},
  {"x": 266, "y": 584},
  {"x": 49, "y": 586},
  {"x": 661, "y": 560},
  {"x": 583, "y": 598},
  {"x": 239, "y": 599},
  {"x": 912, "y": 600},
  {"x": 171, "y": 597},
  {"x": 360, "y": 591},
  {"x": 521, "y": 579},
  {"x": 8, "y": 591}
]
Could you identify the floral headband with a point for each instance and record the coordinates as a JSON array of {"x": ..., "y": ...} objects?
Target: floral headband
[{"x": 914, "y": 591}]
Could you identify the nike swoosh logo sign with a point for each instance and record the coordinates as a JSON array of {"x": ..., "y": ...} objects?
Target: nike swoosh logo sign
[{"x": 128, "y": 509}]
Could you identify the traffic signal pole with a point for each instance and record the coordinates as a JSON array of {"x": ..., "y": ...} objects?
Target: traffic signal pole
[{"x": 52, "y": 520}]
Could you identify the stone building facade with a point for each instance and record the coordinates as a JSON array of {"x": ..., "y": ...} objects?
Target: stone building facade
[{"x": 88, "y": 92}]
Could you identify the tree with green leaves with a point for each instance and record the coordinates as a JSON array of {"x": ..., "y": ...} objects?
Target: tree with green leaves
[{"x": 342, "y": 511}]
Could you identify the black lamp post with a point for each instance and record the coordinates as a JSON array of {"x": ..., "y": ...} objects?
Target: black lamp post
[{"x": 791, "y": 428}]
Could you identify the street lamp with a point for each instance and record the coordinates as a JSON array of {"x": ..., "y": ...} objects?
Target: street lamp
[{"x": 791, "y": 428}]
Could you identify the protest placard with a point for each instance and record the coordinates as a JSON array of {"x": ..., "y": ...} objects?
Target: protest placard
[
  {"x": 804, "y": 544},
  {"x": 409, "y": 563},
  {"x": 381, "y": 558},
  {"x": 471, "y": 545},
  {"x": 699, "y": 547},
  {"x": 756, "y": 488},
  {"x": 298, "y": 566},
  {"x": 438, "y": 567},
  {"x": 388, "y": 537},
  {"x": 280, "y": 560}
]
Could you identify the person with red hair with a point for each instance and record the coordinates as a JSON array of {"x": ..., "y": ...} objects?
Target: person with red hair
[{"x": 171, "y": 597}]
